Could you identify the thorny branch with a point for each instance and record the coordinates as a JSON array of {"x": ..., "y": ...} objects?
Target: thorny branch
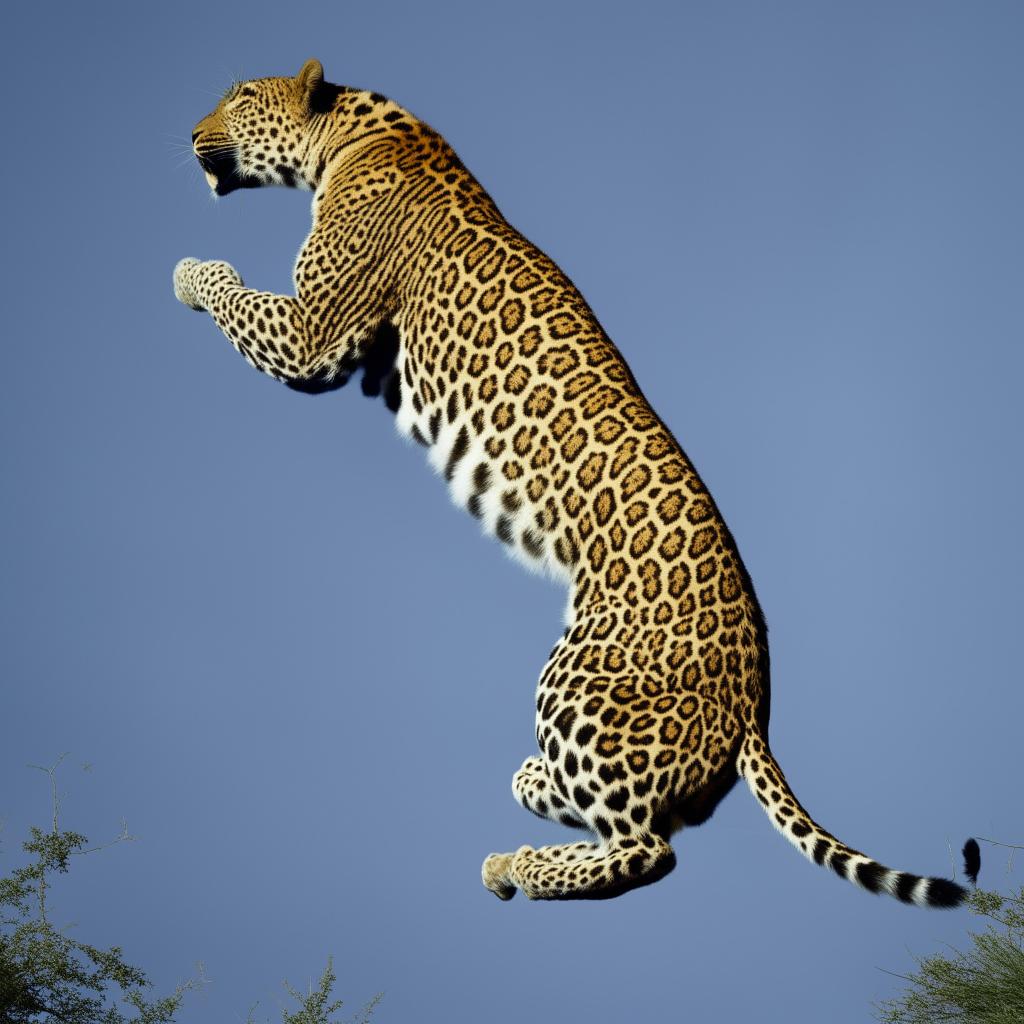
[
  {"x": 1013, "y": 848},
  {"x": 124, "y": 837}
]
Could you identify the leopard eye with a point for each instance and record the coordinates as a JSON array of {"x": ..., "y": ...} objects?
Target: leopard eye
[
  {"x": 235, "y": 98},
  {"x": 237, "y": 91}
]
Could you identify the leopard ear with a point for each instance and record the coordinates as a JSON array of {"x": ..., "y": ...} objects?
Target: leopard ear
[{"x": 310, "y": 78}]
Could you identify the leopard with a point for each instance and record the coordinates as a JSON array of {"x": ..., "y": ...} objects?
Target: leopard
[{"x": 655, "y": 699}]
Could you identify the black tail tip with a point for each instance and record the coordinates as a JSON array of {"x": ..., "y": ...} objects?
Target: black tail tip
[{"x": 972, "y": 860}]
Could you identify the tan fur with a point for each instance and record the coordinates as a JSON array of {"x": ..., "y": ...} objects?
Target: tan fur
[{"x": 534, "y": 419}]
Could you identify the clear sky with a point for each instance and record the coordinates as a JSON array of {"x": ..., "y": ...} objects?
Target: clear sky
[{"x": 303, "y": 677}]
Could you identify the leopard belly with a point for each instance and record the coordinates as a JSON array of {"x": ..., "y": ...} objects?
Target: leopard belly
[{"x": 457, "y": 451}]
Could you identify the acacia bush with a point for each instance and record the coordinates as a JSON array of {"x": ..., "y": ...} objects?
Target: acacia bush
[
  {"x": 47, "y": 977},
  {"x": 982, "y": 984}
]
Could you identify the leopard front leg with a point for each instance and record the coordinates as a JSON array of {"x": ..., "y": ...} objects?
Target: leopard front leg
[
  {"x": 274, "y": 333},
  {"x": 195, "y": 281}
]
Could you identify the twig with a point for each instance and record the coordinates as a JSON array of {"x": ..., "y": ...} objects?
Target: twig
[
  {"x": 52, "y": 772},
  {"x": 124, "y": 837},
  {"x": 893, "y": 974},
  {"x": 1012, "y": 847}
]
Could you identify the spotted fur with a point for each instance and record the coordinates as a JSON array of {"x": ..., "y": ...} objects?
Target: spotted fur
[{"x": 655, "y": 700}]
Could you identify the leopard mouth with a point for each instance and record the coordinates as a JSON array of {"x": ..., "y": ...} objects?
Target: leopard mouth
[{"x": 221, "y": 173}]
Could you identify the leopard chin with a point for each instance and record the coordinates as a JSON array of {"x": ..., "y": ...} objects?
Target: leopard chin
[{"x": 222, "y": 175}]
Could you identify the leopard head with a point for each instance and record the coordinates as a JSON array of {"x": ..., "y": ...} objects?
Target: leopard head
[{"x": 259, "y": 132}]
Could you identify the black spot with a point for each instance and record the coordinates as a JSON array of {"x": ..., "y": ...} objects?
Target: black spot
[
  {"x": 474, "y": 506},
  {"x": 636, "y": 863},
  {"x": 602, "y": 826},
  {"x": 533, "y": 544},
  {"x": 362, "y": 110},
  {"x": 481, "y": 478},
  {"x": 453, "y": 406},
  {"x": 435, "y": 424},
  {"x": 642, "y": 786},
  {"x": 459, "y": 449},
  {"x": 799, "y": 829},
  {"x": 287, "y": 175},
  {"x": 618, "y": 800},
  {"x": 503, "y": 528},
  {"x": 564, "y": 722},
  {"x": 571, "y": 765},
  {"x": 583, "y": 800},
  {"x": 585, "y": 734},
  {"x": 820, "y": 849}
]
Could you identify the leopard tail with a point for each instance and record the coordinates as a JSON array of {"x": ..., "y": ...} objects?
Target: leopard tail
[{"x": 766, "y": 781}]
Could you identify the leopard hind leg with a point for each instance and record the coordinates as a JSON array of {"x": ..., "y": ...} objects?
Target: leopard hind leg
[
  {"x": 583, "y": 870},
  {"x": 580, "y": 870},
  {"x": 534, "y": 788}
]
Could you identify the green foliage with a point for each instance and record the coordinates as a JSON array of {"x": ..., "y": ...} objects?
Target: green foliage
[
  {"x": 981, "y": 985},
  {"x": 315, "y": 1006},
  {"x": 45, "y": 975}
]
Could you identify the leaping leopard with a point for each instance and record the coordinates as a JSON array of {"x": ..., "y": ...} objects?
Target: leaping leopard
[{"x": 655, "y": 700}]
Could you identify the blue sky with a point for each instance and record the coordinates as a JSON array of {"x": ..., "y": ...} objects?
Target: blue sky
[{"x": 306, "y": 681}]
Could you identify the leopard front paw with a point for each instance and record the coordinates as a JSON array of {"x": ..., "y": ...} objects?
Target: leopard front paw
[
  {"x": 195, "y": 278},
  {"x": 184, "y": 283}
]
